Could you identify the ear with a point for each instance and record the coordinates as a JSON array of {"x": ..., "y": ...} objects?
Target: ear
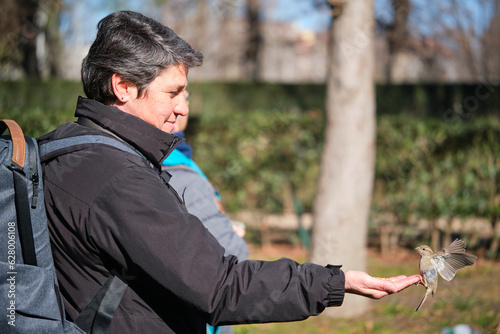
[{"x": 123, "y": 90}]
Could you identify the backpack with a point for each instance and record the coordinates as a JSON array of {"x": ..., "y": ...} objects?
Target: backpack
[{"x": 30, "y": 299}]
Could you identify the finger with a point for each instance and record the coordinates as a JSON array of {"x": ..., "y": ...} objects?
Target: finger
[
  {"x": 395, "y": 285},
  {"x": 379, "y": 288},
  {"x": 404, "y": 277},
  {"x": 390, "y": 287},
  {"x": 417, "y": 278},
  {"x": 403, "y": 283}
]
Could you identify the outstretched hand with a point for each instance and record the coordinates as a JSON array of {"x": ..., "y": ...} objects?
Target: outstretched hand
[{"x": 360, "y": 283}]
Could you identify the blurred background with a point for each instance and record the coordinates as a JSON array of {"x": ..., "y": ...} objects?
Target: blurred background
[
  {"x": 262, "y": 106},
  {"x": 444, "y": 41}
]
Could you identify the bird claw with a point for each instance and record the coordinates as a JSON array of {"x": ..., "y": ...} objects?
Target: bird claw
[{"x": 422, "y": 282}]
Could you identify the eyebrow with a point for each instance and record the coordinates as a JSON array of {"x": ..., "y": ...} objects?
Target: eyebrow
[{"x": 179, "y": 87}]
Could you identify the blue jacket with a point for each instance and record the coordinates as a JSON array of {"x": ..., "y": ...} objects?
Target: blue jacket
[{"x": 200, "y": 198}]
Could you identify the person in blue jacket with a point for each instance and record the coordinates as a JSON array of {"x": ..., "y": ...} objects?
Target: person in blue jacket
[
  {"x": 203, "y": 201},
  {"x": 201, "y": 198}
]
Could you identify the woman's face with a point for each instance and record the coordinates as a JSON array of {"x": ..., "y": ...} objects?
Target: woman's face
[{"x": 163, "y": 100}]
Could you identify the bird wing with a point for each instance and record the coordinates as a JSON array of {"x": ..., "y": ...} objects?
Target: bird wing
[
  {"x": 449, "y": 264},
  {"x": 452, "y": 258},
  {"x": 457, "y": 246}
]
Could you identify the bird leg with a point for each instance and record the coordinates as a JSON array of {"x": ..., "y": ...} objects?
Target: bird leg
[{"x": 422, "y": 281}]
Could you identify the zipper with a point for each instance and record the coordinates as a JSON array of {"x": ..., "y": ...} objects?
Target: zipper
[{"x": 33, "y": 173}]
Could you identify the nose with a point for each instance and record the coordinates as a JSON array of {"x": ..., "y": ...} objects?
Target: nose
[{"x": 182, "y": 106}]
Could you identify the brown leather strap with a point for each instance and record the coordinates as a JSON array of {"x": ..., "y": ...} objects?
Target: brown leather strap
[{"x": 18, "y": 142}]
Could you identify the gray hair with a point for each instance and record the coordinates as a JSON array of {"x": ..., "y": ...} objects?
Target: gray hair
[{"x": 136, "y": 47}]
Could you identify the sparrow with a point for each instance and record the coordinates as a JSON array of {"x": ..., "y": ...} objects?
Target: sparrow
[{"x": 446, "y": 262}]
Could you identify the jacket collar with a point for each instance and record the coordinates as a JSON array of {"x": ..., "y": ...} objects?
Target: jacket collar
[{"x": 153, "y": 143}]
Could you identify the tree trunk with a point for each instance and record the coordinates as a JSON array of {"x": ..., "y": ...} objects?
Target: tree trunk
[
  {"x": 254, "y": 40},
  {"x": 346, "y": 180},
  {"x": 397, "y": 37},
  {"x": 29, "y": 32}
]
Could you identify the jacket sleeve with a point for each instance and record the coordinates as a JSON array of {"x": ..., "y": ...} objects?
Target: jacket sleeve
[
  {"x": 140, "y": 228},
  {"x": 199, "y": 196}
]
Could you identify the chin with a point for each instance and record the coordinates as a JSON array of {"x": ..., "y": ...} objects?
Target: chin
[{"x": 167, "y": 127}]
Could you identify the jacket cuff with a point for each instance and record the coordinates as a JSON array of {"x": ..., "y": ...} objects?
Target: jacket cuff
[{"x": 336, "y": 286}]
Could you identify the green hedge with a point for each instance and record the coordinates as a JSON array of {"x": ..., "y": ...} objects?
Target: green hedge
[
  {"x": 254, "y": 157},
  {"x": 256, "y": 141},
  {"x": 39, "y": 106},
  {"x": 433, "y": 168},
  {"x": 425, "y": 167}
]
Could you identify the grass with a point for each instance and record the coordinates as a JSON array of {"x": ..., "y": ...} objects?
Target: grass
[{"x": 472, "y": 297}]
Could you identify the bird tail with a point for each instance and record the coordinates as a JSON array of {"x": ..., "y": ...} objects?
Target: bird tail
[{"x": 422, "y": 302}]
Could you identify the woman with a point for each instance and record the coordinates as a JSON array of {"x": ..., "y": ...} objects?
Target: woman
[{"x": 112, "y": 212}]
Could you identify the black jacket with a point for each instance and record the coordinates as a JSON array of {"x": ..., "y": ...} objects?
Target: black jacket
[{"x": 110, "y": 212}]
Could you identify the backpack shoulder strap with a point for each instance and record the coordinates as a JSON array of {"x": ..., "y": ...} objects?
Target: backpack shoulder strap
[
  {"x": 96, "y": 317},
  {"x": 47, "y": 149}
]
